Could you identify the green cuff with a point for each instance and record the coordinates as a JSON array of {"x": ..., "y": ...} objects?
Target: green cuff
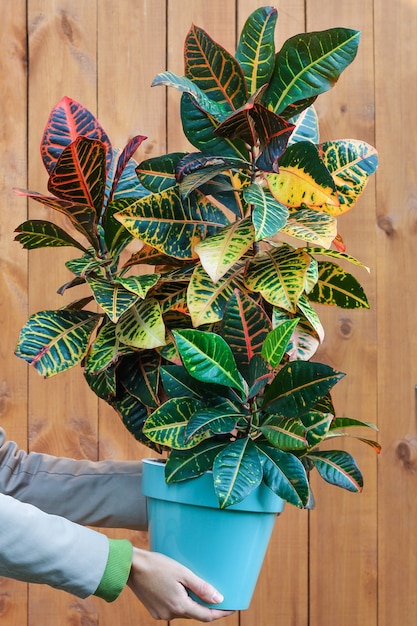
[{"x": 117, "y": 570}]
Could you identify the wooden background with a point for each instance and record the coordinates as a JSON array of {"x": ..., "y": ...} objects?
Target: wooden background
[{"x": 352, "y": 561}]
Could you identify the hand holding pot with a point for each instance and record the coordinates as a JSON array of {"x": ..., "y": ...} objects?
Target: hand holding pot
[{"x": 161, "y": 584}]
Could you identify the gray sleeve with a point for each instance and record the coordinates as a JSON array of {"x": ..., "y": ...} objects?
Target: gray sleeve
[
  {"x": 40, "y": 548},
  {"x": 102, "y": 493}
]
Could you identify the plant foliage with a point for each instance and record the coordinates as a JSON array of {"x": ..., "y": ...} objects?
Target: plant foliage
[{"x": 208, "y": 354}]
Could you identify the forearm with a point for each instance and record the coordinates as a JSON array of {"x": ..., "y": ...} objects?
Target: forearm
[
  {"x": 41, "y": 548},
  {"x": 83, "y": 491}
]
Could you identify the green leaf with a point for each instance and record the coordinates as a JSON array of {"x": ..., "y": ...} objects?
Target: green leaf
[
  {"x": 268, "y": 215},
  {"x": 80, "y": 173},
  {"x": 186, "y": 464},
  {"x": 208, "y": 358},
  {"x": 256, "y": 49},
  {"x": 244, "y": 326},
  {"x": 54, "y": 341},
  {"x": 350, "y": 162},
  {"x": 139, "y": 285},
  {"x": 82, "y": 217},
  {"x": 44, "y": 234},
  {"x": 85, "y": 265},
  {"x": 278, "y": 275},
  {"x": 169, "y": 223},
  {"x": 276, "y": 342},
  {"x": 298, "y": 386},
  {"x": 139, "y": 375},
  {"x": 207, "y": 300},
  {"x": 209, "y": 105},
  {"x": 216, "y": 420},
  {"x": 317, "y": 426},
  {"x": 237, "y": 471},
  {"x": 116, "y": 236},
  {"x": 134, "y": 414},
  {"x": 142, "y": 326},
  {"x": 306, "y": 126},
  {"x": 199, "y": 128},
  {"x": 105, "y": 350},
  {"x": 167, "y": 425},
  {"x": 219, "y": 252},
  {"x": 346, "y": 422},
  {"x": 103, "y": 384},
  {"x": 339, "y": 288},
  {"x": 309, "y": 64},
  {"x": 113, "y": 298},
  {"x": 177, "y": 382},
  {"x": 285, "y": 475},
  {"x": 214, "y": 70},
  {"x": 158, "y": 173},
  {"x": 285, "y": 433},
  {"x": 339, "y": 468}
]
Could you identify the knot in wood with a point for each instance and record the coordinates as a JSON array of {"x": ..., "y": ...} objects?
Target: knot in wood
[
  {"x": 346, "y": 327},
  {"x": 406, "y": 452},
  {"x": 385, "y": 223}
]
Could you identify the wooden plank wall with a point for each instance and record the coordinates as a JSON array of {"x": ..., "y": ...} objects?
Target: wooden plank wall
[{"x": 352, "y": 561}]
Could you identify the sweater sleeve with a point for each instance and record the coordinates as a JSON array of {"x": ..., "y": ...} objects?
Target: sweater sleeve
[
  {"x": 40, "y": 548},
  {"x": 86, "y": 492},
  {"x": 117, "y": 570}
]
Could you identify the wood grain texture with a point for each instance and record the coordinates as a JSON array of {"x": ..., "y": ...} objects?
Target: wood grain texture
[
  {"x": 13, "y": 260},
  {"x": 352, "y": 561},
  {"x": 343, "y": 527},
  {"x": 396, "y": 127}
]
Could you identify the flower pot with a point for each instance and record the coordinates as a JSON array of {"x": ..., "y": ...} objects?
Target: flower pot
[{"x": 225, "y": 547}]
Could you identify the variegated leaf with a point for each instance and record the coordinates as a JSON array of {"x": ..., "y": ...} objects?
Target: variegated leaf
[
  {"x": 186, "y": 464},
  {"x": 169, "y": 223},
  {"x": 285, "y": 433},
  {"x": 158, "y": 173},
  {"x": 167, "y": 425},
  {"x": 337, "y": 254},
  {"x": 279, "y": 275},
  {"x": 84, "y": 265},
  {"x": 309, "y": 64},
  {"x": 268, "y": 216},
  {"x": 80, "y": 173},
  {"x": 339, "y": 468},
  {"x": 68, "y": 120},
  {"x": 244, "y": 326},
  {"x": 105, "y": 350},
  {"x": 256, "y": 48},
  {"x": 303, "y": 179},
  {"x": 315, "y": 227},
  {"x": 350, "y": 162},
  {"x": 139, "y": 375},
  {"x": 214, "y": 70},
  {"x": 339, "y": 288},
  {"x": 184, "y": 84},
  {"x": 276, "y": 342},
  {"x": 199, "y": 128},
  {"x": 222, "y": 250},
  {"x": 140, "y": 284},
  {"x": 284, "y": 473},
  {"x": 113, "y": 298},
  {"x": 237, "y": 471},
  {"x": 306, "y": 126},
  {"x": 42, "y": 234},
  {"x": 82, "y": 217},
  {"x": 142, "y": 325},
  {"x": 54, "y": 341},
  {"x": 207, "y": 300}
]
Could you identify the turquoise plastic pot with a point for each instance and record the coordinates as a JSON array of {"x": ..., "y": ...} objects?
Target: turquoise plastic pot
[{"x": 224, "y": 547}]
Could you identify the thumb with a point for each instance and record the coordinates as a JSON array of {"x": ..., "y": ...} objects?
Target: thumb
[{"x": 202, "y": 589}]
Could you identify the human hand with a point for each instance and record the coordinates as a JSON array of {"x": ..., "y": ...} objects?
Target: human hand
[{"x": 161, "y": 584}]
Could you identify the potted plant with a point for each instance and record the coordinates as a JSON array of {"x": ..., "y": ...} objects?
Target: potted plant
[{"x": 204, "y": 334}]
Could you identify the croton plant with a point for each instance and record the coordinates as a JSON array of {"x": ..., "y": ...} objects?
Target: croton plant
[{"x": 205, "y": 267}]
